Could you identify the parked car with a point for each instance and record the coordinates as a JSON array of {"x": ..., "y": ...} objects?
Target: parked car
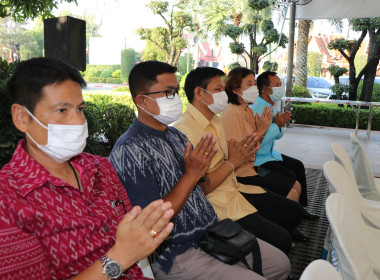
[{"x": 319, "y": 87}]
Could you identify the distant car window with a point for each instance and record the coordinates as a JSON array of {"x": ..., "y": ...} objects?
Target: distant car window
[{"x": 318, "y": 83}]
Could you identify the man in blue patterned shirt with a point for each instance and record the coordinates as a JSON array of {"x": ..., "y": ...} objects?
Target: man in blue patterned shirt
[{"x": 154, "y": 160}]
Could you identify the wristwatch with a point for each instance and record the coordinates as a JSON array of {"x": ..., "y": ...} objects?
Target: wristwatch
[{"x": 111, "y": 268}]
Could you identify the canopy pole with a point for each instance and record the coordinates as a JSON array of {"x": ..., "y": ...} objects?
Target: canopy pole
[{"x": 289, "y": 70}]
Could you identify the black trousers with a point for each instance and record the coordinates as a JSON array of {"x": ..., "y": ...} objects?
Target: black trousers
[
  {"x": 279, "y": 216},
  {"x": 293, "y": 168},
  {"x": 267, "y": 230}
]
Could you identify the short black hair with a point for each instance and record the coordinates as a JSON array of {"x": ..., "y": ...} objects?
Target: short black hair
[
  {"x": 263, "y": 80},
  {"x": 233, "y": 81},
  {"x": 201, "y": 77},
  {"x": 25, "y": 87},
  {"x": 144, "y": 75}
]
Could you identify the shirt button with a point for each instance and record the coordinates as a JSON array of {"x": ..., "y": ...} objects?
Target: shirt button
[{"x": 106, "y": 228}]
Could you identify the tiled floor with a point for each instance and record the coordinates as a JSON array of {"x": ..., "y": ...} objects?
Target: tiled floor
[
  {"x": 305, "y": 252},
  {"x": 311, "y": 144}
]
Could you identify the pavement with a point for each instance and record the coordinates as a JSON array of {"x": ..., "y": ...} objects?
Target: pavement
[{"x": 311, "y": 144}]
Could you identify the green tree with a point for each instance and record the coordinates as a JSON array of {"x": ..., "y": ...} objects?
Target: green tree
[
  {"x": 360, "y": 61},
  {"x": 21, "y": 42},
  {"x": 349, "y": 49},
  {"x": 337, "y": 71},
  {"x": 128, "y": 58},
  {"x": 176, "y": 20},
  {"x": 21, "y": 10},
  {"x": 236, "y": 19},
  {"x": 314, "y": 62},
  {"x": 158, "y": 35}
]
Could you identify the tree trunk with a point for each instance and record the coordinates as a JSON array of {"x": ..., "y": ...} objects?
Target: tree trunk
[
  {"x": 336, "y": 79},
  {"x": 370, "y": 73},
  {"x": 302, "y": 46}
]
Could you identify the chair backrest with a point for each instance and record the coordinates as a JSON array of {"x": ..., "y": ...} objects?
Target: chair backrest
[
  {"x": 320, "y": 270},
  {"x": 361, "y": 165},
  {"x": 337, "y": 176},
  {"x": 348, "y": 240},
  {"x": 341, "y": 157}
]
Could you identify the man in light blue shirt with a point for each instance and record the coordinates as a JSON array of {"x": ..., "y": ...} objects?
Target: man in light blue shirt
[{"x": 269, "y": 86}]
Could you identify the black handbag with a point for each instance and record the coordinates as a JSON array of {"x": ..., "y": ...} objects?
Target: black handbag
[{"x": 228, "y": 242}]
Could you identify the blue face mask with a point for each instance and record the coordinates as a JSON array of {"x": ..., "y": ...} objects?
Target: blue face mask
[{"x": 277, "y": 94}]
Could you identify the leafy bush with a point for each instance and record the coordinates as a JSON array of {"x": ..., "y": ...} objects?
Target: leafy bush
[
  {"x": 128, "y": 58},
  {"x": 234, "y": 65},
  {"x": 300, "y": 91},
  {"x": 108, "y": 117},
  {"x": 113, "y": 81},
  {"x": 334, "y": 116},
  {"x": 9, "y": 135},
  {"x": 270, "y": 66},
  {"x": 375, "y": 91},
  {"x": 122, "y": 89},
  {"x": 106, "y": 73},
  {"x": 116, "y": 74},
  {"x": 91, "y": 79}
]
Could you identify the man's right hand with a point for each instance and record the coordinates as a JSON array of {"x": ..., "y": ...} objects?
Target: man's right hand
[
  {"x": 198, "y": 160},
  {"x": 282, "y": 119},
  {"x": 134, "y": 240},
  {"x": 242, "y": 152}
]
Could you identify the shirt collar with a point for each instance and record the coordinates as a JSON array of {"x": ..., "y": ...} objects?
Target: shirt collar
[
  {"x": 139, "y": 126},
  {"x": 30, "y": 174},
  {"x": 262, "y": 101},
  {"x": 199, "y": 117}
]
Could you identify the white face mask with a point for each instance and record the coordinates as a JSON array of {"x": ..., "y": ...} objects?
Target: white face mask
[
  {"x": 64, "y": 141},
  {"x": 220, "y": 101},
  {"x": 250, "y": 94},
  {"x": 170, "y": 109},
  {"x": 277, "y": 94}
]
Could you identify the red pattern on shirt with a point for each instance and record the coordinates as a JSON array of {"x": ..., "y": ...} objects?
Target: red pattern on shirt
[{"x": 50, "y": 230}]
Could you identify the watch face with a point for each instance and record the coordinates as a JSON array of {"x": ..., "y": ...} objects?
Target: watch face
[{"x": 113, "y": 270}]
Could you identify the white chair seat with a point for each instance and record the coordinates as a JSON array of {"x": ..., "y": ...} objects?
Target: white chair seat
[
  {"x": 320, "y": 270},
  {"x": 363, "y": 171},
  {"x": 349, "y": 240}
]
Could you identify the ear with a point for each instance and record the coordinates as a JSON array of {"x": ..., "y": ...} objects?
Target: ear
[
  {"x": 198, "y": 92},
  {"x": 20, "y": 117},
  {"x": 140, "y": 100},
  {"x": 236, "y": 91}
]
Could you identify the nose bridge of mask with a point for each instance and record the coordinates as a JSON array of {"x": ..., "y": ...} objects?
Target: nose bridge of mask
[{"x": 34, "y": 118}]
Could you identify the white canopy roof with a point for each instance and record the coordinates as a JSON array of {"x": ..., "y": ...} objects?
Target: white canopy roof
[{"x": 323, "y": 9}]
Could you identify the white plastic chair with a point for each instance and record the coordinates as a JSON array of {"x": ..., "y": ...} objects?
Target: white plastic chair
[
  {"x": 320, "y": 270},
  {"x": 337, "y": 176},
  {"x": 363, "y": 171},
  {"x": 341, "y": 156},
  {"x": 349, "y": 240},
  {"x": 146, "y": 269}
]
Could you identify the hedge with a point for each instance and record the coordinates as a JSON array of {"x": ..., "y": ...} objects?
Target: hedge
[
  {"x": 334, "y": 116},
  {"x": 103, "y": 80},
  {"x": 108, "y": 117}
]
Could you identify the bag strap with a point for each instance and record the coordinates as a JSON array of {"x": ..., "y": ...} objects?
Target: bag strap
[{"x": 256, "y": 256}]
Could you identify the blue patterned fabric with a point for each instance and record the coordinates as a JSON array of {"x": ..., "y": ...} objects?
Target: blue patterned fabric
[
  {"x": 149, "y": 164},
  {"x": 266, "y": 152}
]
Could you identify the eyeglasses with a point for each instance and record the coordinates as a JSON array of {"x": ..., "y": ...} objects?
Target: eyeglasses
[{"x": 170, "y": 93}]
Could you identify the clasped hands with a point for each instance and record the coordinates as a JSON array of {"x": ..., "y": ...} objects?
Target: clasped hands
[{"x": 243, "y": 151}]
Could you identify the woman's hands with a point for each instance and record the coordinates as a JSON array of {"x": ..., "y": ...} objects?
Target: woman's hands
[{"x": 242, "y": 152}]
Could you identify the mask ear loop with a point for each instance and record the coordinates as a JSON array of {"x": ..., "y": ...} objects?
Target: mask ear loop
[{"x": 143, "y": 108}]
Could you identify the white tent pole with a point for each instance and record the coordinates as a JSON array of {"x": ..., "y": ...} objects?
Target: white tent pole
[{"x": 289, "y": 70}]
